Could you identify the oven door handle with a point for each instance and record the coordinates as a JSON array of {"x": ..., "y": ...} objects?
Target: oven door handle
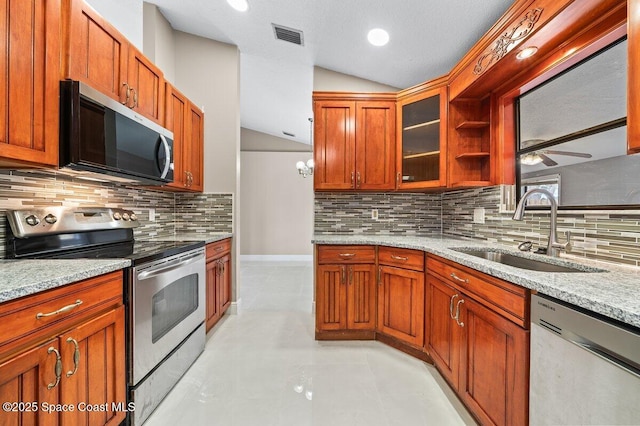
[{"x": 166, "y": 267}]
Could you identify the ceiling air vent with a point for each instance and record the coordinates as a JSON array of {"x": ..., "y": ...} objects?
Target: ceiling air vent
[{"x": 288, "y": 34}]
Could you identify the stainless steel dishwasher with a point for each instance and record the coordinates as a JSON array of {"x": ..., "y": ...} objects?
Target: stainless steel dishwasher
[{"x": 585, "y": 370}]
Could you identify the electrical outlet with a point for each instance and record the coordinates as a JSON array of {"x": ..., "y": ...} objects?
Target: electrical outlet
[
  {"x": 478, "y": 215},
  {"x": 374, "y": 214}
]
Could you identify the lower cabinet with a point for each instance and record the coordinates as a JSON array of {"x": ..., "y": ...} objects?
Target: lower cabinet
[
  {"x": 218, "y": 279},
  {"x": 401, "y": 294},
  {"x": 483, "y": 354},
  {"x": 67, "y": 367}
]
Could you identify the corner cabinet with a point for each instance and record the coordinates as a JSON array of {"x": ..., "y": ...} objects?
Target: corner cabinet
[
  {"x": 422, "y": 137},
  {"x": 218, "y": 280},
  {"x": 76, "y": 355},
  {"x": 478, "y": 337},
  {"x": 29, "y": 92},
  {"x": 345, "y": 292},
  {"x": 354, "y": 141},
  {"x": 186, "y": 121}
]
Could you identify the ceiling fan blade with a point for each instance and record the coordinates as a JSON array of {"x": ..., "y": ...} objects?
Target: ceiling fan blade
[
  {"x": 572, "y": 154},
  {"x": 547, "y": 161}
]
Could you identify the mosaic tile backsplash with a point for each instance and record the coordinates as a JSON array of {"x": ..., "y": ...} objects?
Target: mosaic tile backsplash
[{"x": 173, "y": 212}]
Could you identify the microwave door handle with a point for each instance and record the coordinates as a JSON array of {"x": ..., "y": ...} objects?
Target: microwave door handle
[
  {"x": 167, "y": 152},
  {"x": 167, "y": 267}
]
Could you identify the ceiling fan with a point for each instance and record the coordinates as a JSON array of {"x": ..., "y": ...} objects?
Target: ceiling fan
[{"x": 537, "y": 157}]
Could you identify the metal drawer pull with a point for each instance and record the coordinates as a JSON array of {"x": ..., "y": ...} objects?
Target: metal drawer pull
[
  {"x": 344, "y": 274},
  {"x": 457, "y": 278},
  {"x": 457, "y": 318},
  {"x": 60, "y": 311},
  {"x": 76, "y": 356},
  {"x": 394, "y": 257},
  {"x": 451, "y": 306},
  {"x": 127, "y": 92},
  {"x": 347, "y": 254},
  {"x": 379, "y": 275},
  {"x": 58, "y": 368},
  {"x": 358, "y": 180},
  {"x": 350, "y": 275}
]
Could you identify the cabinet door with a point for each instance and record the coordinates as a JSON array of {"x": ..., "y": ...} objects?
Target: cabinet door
[
  {"x": 193, "y": 149},
  {"x": 176, "y": 106},
  {"x": 93, "y": 372},
  {"x": 401, "y": 304},
  {"x": 331, "y": 297},
  {"x": 375, "y": 145},
  {"x": 211, "y": 294},
  {"x": 422, "y": 140},
  {"x": 97, "y": 53},
  {"x": 361, "y": 297},
  {"x": 334, "y": 145},
  {"x": 494, "y": 366},
  {"x": 30, "y": 65},
  {"x": 24, "y": 379},
  {"x": 224, "y": 283},
  {"x": 147, "y": 86},
  {"x": 442, "y": 332}
]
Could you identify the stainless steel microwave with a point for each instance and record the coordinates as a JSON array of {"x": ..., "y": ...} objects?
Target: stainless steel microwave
[{"x": 98, "y": 134}]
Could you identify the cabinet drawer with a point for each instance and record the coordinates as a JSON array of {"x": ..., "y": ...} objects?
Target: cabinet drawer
[
  {"x": 403, "y": 258},
  {"x": 52, "y": 311},
  {"x": 218, "y": 249},
  {"x": 508, "y": 300},
  {"x": 346, "y": 254}
]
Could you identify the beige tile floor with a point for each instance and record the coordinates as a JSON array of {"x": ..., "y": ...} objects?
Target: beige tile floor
[{"x": 263, "y": 367}]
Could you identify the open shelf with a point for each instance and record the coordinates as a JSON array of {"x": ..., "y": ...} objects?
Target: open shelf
[
  {"x": 472, "y": 155},
  {"x": 420, "y": 154},
  {"x": 428, "y": 123},
  {"x": 472, "y": 125}
]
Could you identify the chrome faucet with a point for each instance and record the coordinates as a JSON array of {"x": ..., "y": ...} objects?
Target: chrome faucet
[{"x": 553, "y": 246}]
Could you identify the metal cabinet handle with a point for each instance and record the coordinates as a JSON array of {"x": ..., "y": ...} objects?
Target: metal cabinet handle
[
  {"x": 379, "y": 275},
  {"x": 186, "y": 178},
  {"x": 347, "y": 255},
  {"x": 344, "y": 275},
  {"x": 398, "y": 177},
  {"x": 352, "y": 180},
  {"x": 358, "y": 181},
  {"x": 126, "y": 93},
  {"x": 394, "y": 257},
  {"x": 58, "y": 368},
  {"x": 135, "y": 99},
  {"x": 350, "y": 275},
  {"x": 61, "y": 310},
  {"x": 451, "y": 306},
  {"x": 76, "y": 356},
  {"x": 457, "y": 278},
  {"x": 457, "y": 318}
]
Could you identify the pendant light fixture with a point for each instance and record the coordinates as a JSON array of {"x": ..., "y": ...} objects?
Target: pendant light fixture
[{"x": 306, "y": 169}]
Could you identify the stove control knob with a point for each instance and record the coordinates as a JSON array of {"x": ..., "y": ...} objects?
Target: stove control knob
[
  {"x": 117, "y": 216},
  {"x": 133, "y": 216},
  {"x": 125, "y": 216},
  {"x": 32, "y": 220},
  {"x": 50, "y": 219}
]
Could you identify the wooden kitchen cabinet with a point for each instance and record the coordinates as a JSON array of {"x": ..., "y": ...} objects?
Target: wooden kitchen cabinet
[
  {"x": 345, "y": 292},
  {"x": 354, "y": 142},
  {"x": 477, "y": 335},
  {"x": 186, "y": 121},
  {"x": 422, "y": 137},
  {"x": 74, "y": 356},
  {"x": 401, "y": 294},
  {"x": 29, "y": 91},
  {"x": 218, "y": 279},
  {"x": 100, "y": 56}
]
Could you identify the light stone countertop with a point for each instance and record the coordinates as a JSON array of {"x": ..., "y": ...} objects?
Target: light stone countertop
[
  {"x": 20, "y": 278},
  {"x": 207, "y": 238},
  {"x": 614, "y": 293}
]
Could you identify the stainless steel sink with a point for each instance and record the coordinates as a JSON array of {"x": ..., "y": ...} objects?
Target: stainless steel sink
[{"x": 524, "y": 262}]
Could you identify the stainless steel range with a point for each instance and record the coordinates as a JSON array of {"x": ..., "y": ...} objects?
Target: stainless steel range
[{"x": 164, "y": 288}]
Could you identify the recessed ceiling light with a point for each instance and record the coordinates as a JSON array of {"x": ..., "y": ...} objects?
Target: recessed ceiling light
[
  {"x": 239, "y": 5},
  {"x": 378, "y": 37},
  {"x": 527, "y": 52}
]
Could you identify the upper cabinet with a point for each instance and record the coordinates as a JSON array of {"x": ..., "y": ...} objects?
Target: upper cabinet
[
  {"x": 633, "y": 77},
  {"x": 354, "y": 143},
  {"x": 30, "y": 63},
  {"x": 98, "y": 55},
  {"x": 421, "y": 159}
]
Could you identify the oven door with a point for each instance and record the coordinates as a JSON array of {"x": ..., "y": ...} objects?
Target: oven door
[{"x": 168, "y": 304}]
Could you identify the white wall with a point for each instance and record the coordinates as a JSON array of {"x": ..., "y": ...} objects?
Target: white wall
[
  {"x": 277, "y": 205},
  {"x": 331, "y": 81},
  {"x": 158, "y": 41},
  {"x": 125, "y": 15}
]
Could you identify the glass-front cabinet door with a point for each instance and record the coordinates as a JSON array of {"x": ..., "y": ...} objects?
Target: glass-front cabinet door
[{"x": 421, "y": 147}]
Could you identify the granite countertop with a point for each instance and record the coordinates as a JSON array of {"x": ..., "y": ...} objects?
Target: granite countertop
[
  {"x": 207, "y": 238},
  {"x": 614, "y": 293},
  {"x": 20, "y": 278}
]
